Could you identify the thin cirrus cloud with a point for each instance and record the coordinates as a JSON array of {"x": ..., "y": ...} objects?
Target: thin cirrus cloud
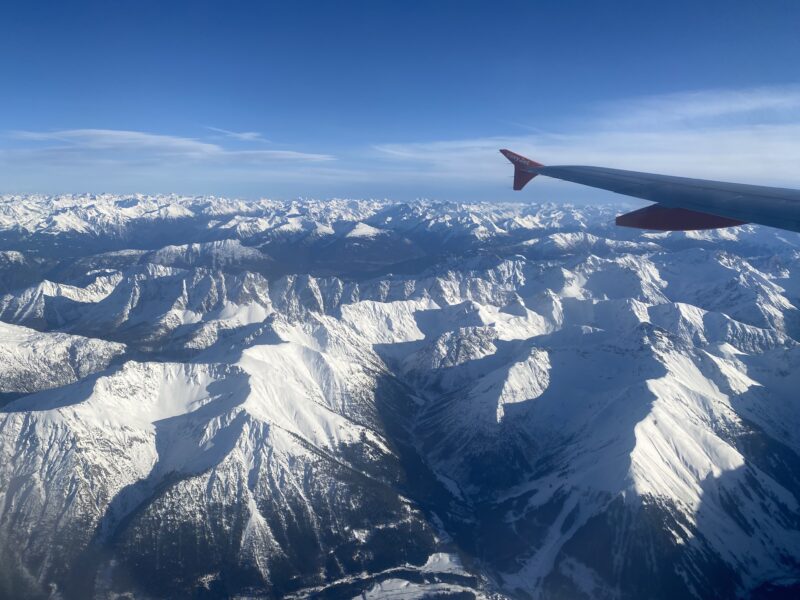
[
  {"x": 763, "y": 103},
  {"x": 750, "y": 135},
  {"x": 240, "y": 136},
  {"x": 91, "y": 145},
  {"x": 747, "y": 135}
]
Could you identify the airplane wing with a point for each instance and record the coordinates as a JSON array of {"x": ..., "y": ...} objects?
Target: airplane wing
[{"x": 681, "y": 204}]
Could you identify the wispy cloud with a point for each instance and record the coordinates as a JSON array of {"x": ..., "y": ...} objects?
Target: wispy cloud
[
  {"x": 749, "y": 135},
  {"x": 739, "y": 135},
  {"x": 117, "y": 140},
  {"x": 705, "y": 106},
  {"x": 139, "y": 161},
  {"x": 88, "y": 145},
  {"x": 241, "y": 136}
]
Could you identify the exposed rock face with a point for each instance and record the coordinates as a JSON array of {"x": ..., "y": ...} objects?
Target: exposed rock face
[{"x": 212, "y": 398}]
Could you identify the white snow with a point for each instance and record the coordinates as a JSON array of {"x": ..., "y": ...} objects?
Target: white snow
[
  {"x": 588, "y": 365},
  {"x": 362, "y": 230}
]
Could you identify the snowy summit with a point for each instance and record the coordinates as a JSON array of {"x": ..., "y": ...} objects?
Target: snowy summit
[{"x": 207, "y": 396}]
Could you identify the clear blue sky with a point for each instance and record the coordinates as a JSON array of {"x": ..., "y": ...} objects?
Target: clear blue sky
[{"x": 386, "y": 99}]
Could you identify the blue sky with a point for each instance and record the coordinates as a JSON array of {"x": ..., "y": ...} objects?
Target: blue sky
[{"x": 398, "y": 99}]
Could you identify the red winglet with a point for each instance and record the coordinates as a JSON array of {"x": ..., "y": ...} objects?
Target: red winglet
[{"x": 523, "y": 168}]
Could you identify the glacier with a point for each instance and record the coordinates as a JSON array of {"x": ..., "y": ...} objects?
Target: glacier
[{"x": 213, "y": 398}]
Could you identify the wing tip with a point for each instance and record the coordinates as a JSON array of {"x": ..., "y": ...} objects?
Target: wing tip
[
  {"x": 518, "y": 159},
  {"x": 523, "y": 168}
]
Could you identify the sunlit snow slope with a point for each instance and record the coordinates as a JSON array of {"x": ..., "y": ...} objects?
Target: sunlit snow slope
[{"x": 210, "y": 398}]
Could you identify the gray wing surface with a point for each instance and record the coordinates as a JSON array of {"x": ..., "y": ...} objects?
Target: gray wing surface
[{"x": 681, "y": 203}]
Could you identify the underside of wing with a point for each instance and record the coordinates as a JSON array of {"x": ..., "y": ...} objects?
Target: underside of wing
[{"x": 665, "y": 218}]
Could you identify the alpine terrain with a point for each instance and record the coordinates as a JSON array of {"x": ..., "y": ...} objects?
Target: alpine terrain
[{"x": 211, "y": 398}]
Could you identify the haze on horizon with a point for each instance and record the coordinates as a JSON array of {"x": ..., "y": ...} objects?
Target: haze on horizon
[{"x": 397, "y": 100}]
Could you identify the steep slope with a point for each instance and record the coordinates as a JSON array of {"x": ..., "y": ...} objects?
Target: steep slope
[
  {"x": 261, "y": 470},
  {"x": 31, "y": 361},
  {"x": 216, "y": 398}
]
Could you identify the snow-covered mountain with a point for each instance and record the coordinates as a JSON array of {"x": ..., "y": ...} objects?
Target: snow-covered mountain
[{"x": 211, "y": 398}]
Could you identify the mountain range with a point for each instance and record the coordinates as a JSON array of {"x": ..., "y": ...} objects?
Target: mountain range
[{"x": 211, "y": 398}]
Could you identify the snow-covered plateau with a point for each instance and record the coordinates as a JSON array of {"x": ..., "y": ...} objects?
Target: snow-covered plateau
[{"x": 212, "y": 398}]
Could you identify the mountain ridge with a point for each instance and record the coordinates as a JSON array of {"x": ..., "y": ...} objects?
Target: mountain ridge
[{"x": 227, "y": 399}]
